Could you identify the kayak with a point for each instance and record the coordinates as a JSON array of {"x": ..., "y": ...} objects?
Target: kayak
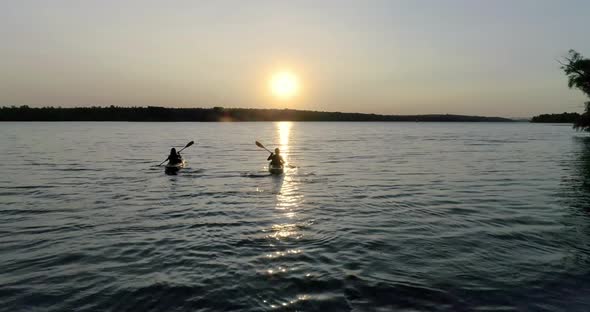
[
  {"x": 174, "y": 168},
  {"x": 276, "y": 170}
]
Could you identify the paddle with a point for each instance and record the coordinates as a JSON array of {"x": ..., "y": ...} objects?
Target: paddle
[
  {"x": 187, "y": 145},
  {"x": 262, "y": 146}
]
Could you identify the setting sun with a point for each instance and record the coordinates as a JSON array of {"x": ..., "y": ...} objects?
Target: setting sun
[{"x": 284, "y": 85}]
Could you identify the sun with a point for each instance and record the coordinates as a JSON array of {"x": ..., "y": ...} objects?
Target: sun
[{"x": 284, "y": 85}]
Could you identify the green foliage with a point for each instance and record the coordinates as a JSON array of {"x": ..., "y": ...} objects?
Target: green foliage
[
  {"x": 577, "y": 70},
  {"x": 557, "y": 118}
]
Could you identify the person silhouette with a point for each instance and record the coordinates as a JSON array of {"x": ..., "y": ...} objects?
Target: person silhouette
[
  {"x": 174, "y": 157},
  {"x": 276, "y": 160}
]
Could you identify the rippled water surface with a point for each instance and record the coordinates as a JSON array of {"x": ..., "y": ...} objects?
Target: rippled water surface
[{"x": 374, "y": 217}]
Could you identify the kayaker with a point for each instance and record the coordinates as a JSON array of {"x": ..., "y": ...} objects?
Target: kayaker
[
  {"x": 276, "y": 159},
  {"x": 174, "y": 157}
]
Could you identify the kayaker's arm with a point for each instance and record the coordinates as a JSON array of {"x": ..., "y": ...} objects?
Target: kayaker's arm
[{"x": 270, "y": 157}]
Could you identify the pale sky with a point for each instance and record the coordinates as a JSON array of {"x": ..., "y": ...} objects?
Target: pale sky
[{"x": 488, "y": 57}]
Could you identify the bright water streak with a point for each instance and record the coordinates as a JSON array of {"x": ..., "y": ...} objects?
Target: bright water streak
[{"x": 390, "y": 216}]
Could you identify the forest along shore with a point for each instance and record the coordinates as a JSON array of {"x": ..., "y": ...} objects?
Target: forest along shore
[{"x": 152, "y": 113}]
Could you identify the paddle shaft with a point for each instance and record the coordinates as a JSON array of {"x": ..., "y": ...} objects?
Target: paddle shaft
[
  {"x": 183, "y": 149},
  {"x": 189, "y": 144},
  {"x": 260, "y": 145}
]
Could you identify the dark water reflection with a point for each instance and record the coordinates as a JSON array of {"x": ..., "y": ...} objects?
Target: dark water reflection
[
  {"x": 373, "y": 217},
  {"x": 577, "y": 180},
  {"x": 576, "y": 195}
]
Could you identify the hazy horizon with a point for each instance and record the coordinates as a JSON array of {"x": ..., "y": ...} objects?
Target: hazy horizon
[{"x": 496, "y": 58}]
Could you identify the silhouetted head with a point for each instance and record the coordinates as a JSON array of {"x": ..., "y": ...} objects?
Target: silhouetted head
[
  {"x": 173, "y": 151},
  {"x": 277, "y": 151}
]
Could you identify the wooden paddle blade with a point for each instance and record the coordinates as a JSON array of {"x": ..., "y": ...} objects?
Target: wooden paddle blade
[
  {"x": 260, "y": 145},
  {"x": 189, "y": 144}
]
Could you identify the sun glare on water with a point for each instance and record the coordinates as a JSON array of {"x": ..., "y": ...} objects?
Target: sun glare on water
[{"x": 284, "y": 85}]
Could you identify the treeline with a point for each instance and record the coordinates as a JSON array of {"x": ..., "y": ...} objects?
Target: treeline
[
  {"x": 577, "y": 69},
  {"x": 557, "y": 118},
  {"x": 151, "y": 113}
]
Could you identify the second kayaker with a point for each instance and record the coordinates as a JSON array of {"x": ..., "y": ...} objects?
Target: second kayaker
[
  {"x": 276, "y": 159},
  {"x": 174, "y": 157}
]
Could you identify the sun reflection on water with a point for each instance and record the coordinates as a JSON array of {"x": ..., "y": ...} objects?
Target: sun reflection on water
[
  {"x": 284, "y": 128},
  {"x": 284, "y": 231},
  {"x": 296, "y": 300},
  {"x": 278, "y": 254},
  {"x": 287, "y": 197},
  {"x": 288, "y": 229}
]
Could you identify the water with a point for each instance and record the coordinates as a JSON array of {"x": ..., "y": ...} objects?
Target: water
[{"x": 376, "y": 217}]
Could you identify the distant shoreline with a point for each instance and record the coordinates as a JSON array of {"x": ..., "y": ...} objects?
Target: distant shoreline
[
  {"x": 215, "y": 114},
  {"x": 568, "y": 118}
]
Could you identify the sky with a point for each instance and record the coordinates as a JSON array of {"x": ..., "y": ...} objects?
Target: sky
[{"x": 476, "y": 57}]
